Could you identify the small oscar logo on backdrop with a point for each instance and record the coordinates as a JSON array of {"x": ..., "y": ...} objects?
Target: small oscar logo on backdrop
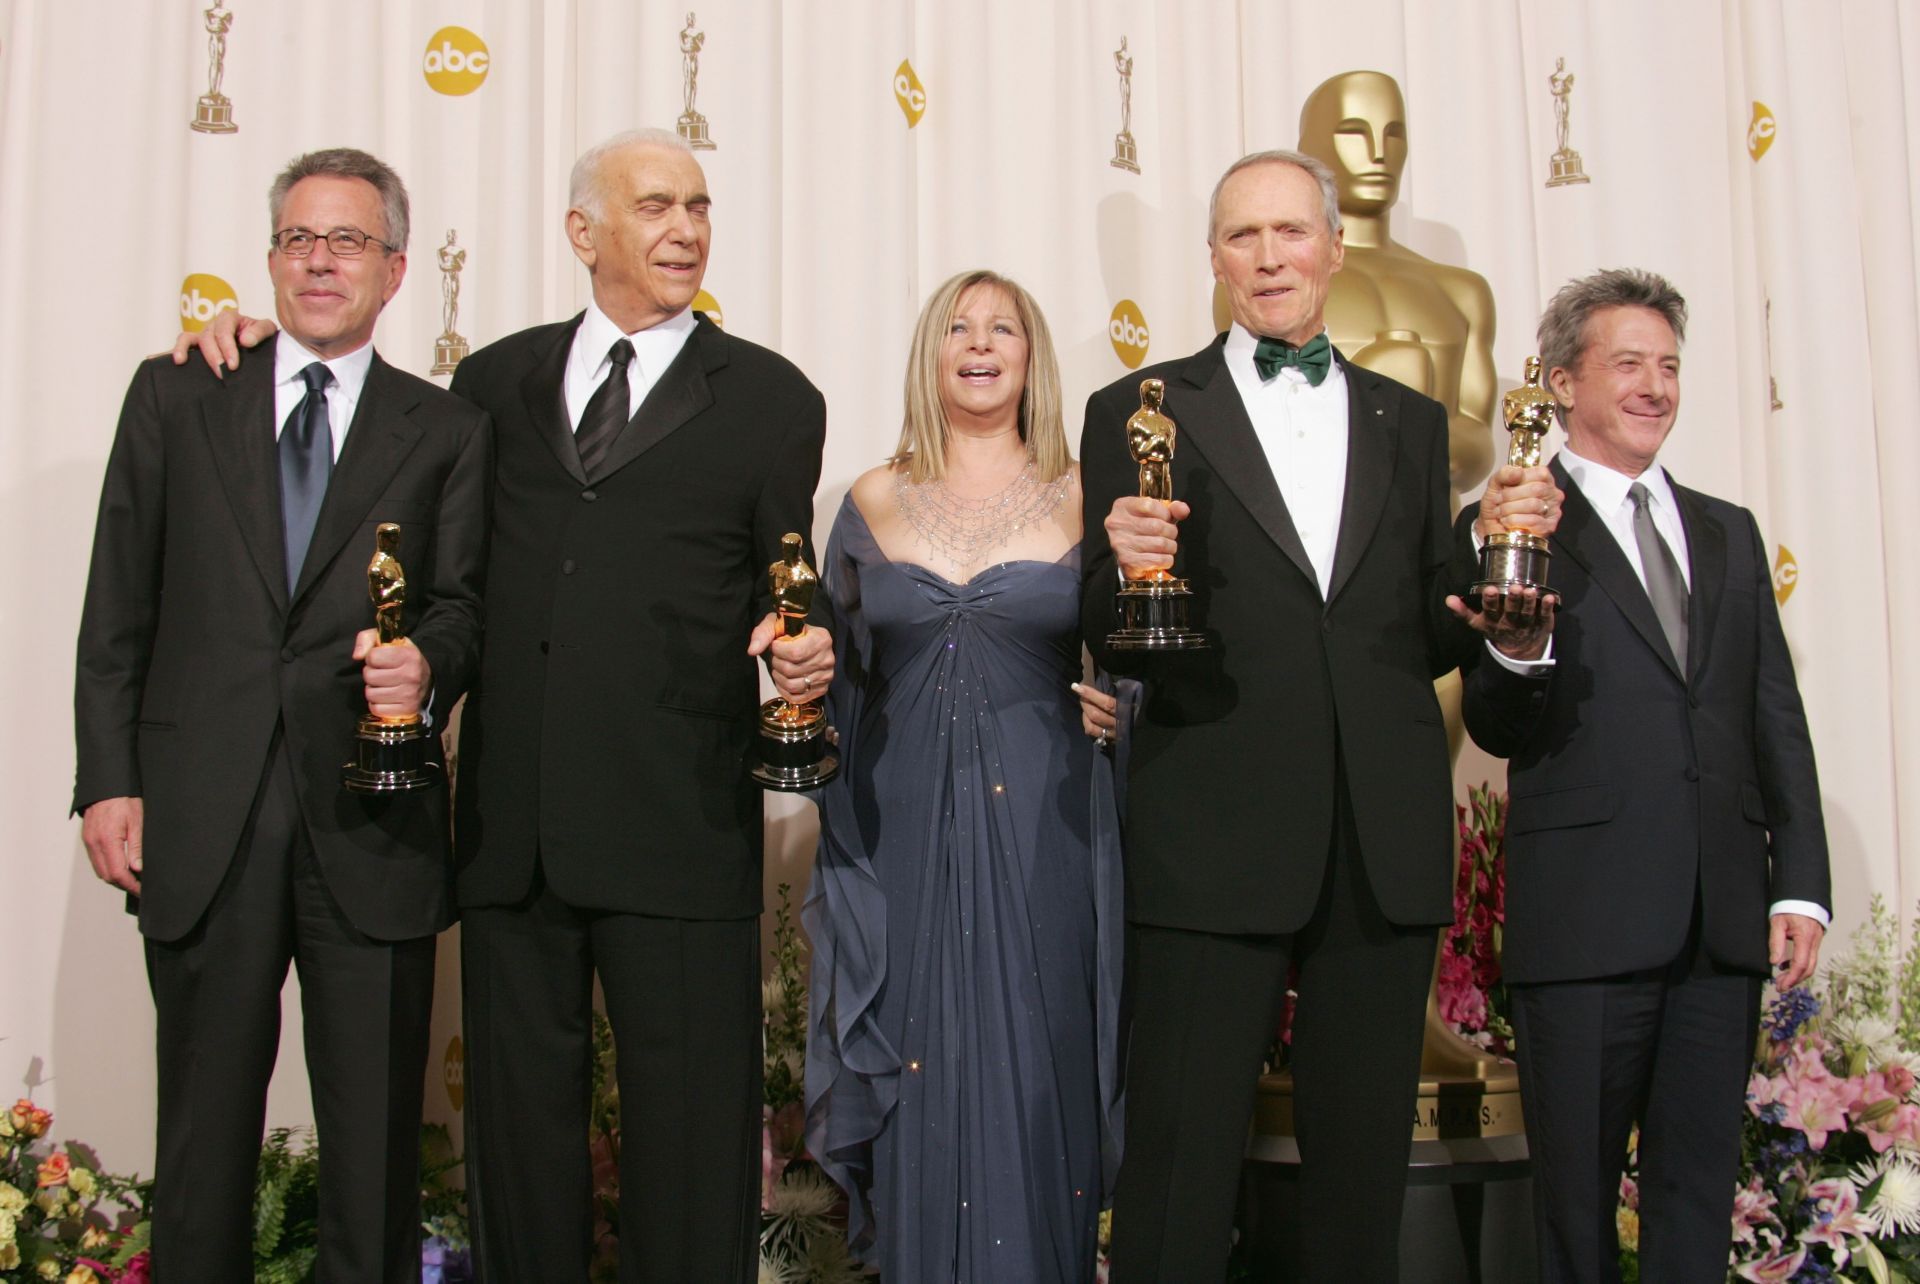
[
  {"x": 1127, "y": 328},
  {"x": 456, "y": 62},
  {"x": 1564, "y": 165},
  {"x": 692, "y": 126},
  {"x": 909, "y": 93},
  {"x": 449, "y": 348},
  {"x": 1125, "y": 155},
  {"x": 203, "y": 297},
  {"x": 1760, "y": 130},
  {"x": 213, "y": 114},
  {"x": 1786, "y": 574},
  {"x": 453, "y": 1073},
  {"x": 708, "y": 305}
]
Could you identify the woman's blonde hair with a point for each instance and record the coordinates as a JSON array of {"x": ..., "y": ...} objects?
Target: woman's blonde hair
[{"x": 923, "y": 432}]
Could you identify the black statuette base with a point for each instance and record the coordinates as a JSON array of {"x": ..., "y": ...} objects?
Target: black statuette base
[
  {"x": 1154, "y": 617},
  {"x": 391, "y": 758}
]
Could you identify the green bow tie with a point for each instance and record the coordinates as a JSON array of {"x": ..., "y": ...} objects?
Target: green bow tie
[{"x": 1271, "y": 356}]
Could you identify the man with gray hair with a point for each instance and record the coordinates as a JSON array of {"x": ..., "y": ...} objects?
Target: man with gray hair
[
  {"x": 1665, "y": 842},
  {"x": 225, "y": 659},
  {"x": 1290, "y": 800},
  {"x": 606, "y": 823}
]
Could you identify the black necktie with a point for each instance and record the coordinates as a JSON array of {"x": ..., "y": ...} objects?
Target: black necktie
[
  {"x": 1665, "y": 585},
  {"x": 606, "y": 413},
  {"x": 306, "y": 461}
]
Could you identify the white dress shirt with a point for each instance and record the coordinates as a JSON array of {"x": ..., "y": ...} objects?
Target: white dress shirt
[
  {"x": 653, "y": 351},
  {"x": 343, "y": 390},
  {"x": 1303, "y": 431},
  {"x": 1606, "y": 492}
]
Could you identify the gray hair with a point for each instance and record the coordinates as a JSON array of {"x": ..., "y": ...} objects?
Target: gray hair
[
  {"x": 347, "y": 162},
  {"x": 583, "y": 187},
  {"x": 1563, "y": 326},
  {"x": 1317, "y": 168}
]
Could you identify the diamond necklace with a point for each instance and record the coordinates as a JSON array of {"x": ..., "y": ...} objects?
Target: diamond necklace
[{"x": 963, "y": 531}]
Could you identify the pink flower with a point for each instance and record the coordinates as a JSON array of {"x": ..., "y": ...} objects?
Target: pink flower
[
  {"x": 1753, "y": 1206},
  {"x": 1815, "y": 1107},
  {"x": 29, "y": 1120},
  {"x": 1779, "y": 1265},
  {"x": 1763, "y": 1090},
  {"x": 53, "y": 1169},
  {"x": 1837, "y": 1215},
  {"x": 1883, "y": 1127}
]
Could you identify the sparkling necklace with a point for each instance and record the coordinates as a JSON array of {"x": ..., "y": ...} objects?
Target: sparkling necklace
[{"x": 963, "y": 531}]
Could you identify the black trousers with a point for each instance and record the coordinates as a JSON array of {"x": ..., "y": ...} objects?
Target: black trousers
[
  {"x": 365, "y": 1005},
  {"x": 683, "y": 997},
  {"x": 1670, "y": 1049},
  {"x": 1205, "y": 1007}
]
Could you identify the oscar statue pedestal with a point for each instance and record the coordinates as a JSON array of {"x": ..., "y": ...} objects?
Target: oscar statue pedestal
[{"x": 213, "y": 114}]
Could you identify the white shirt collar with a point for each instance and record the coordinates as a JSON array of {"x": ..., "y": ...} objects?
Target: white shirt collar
[
  {"x": 290, "y": 357},
  {"x": 1606, "y": 488},
  {"x": 654, "y": 348},
  {"x": 1239, "y": 352}
]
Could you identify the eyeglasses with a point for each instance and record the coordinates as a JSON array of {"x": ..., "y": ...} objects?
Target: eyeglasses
[{"x": 342, "y": 242}]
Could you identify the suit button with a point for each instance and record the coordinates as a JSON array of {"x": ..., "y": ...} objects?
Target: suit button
[
  {"x": 286, "y": 654},
  {"x": 589, "y": 495},
  {"x": 566, "y": 567},
  {"x": 543, "y": 646},
  {"x": 1693, "y": 773}
]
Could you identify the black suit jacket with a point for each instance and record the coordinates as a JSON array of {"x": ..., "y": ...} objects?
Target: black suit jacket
[
  {"x": 192, "y": 651},
  {"x": 1632, "y": 781},
  {"x": 610, "y": 730},
  {"x": 1230, "y": 808}
]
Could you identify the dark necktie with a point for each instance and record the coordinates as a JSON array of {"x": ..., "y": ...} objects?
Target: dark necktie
[
  {"x": 1665, "y": 585},
  {"x": 306, "y": 461},
  {"x": 606, "y": 413},
  {"x": 1314, "y": 357}
]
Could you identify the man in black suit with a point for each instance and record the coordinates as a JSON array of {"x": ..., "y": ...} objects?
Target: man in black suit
[
  {"x": 1665, "y": 839},
  {"x": 1289, "y": 791},
  {"x": 649, "y": 464},
  {"x": 224, "y": 661}
]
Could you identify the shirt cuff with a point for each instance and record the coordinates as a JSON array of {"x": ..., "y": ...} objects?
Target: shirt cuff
[
  {"x": 1525, "y": 668},
  {"x": 1810, "y": 910}
]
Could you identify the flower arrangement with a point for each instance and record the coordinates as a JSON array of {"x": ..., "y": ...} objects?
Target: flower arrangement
[
  {"x": 62, "y": 1217},
  {"x": 1470, "y": 993}
]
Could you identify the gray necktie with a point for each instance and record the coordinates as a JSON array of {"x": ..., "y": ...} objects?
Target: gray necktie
[
  {"x": 306, "y": 461},
  {"x": 1666, "y": 586}
]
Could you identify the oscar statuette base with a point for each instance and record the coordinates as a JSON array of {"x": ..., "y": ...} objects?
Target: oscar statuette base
[
  {"x": 213, "y": 114},
  {"x": 1564, "y": 168},
  {"x": 1125, "y": 155},
  {"x": 692, "y": 126},
  {"x": 1512, "y": 560},
  {"x": 391, "y": 758},
  {"x": 792, "y": 748},
  {"x": 448, "y": 351},
  {"x": 1154, "y": 617}
]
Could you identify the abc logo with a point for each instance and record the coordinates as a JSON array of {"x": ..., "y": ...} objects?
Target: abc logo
[
  {"x": 1786, "y": 574},
  {"x": 1128, "y": 330},
  {"x": 704, "y": 302},
  {"x": 202, "y": 298},
  {"x": 909, "y": 93},
  {"x": 1760, "y": 130},
  {"x": 457, "y": 61},
  {"x": 453, "y": 1071}
]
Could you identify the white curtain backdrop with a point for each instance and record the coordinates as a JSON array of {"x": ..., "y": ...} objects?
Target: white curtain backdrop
[{"x": 841, "y": 200}]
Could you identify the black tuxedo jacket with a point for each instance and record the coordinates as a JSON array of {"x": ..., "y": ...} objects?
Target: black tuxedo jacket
[
  {"x": 610, "y": 728},
  {"x": 1634, "y": 780},
  {"x": 1230, "y": 809},
  {"x": 192, "y": 651}
]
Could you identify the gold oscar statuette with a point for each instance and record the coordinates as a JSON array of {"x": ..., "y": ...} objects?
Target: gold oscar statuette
[
  {"x": 1126, "y": 154},
  {"x": 1564, "y": 166},
  {"x": 692, "y": 126},
  {"x": 793, "y": 737},
  {"x": 450, "y": 348},
  {"x": 1154, "y": 607},
  {"x": 390, "y": 754},
  {"x": 213, "y": 114},
  {"x": 1512, "y": 560}
]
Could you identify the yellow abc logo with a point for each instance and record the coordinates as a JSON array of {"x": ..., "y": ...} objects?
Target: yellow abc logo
[
  {"x": 909, "y": 93},
  {"x": 1127, "y": 328},
  {"x": 202, "y": 298},
  {"x": 704, "y": 302},
  {"x": 457, "y": 61},
  {"x": 453, "y": 1072},
  {"x": 1786, "y": 574},
  {"x": 1760, "y": 130}
]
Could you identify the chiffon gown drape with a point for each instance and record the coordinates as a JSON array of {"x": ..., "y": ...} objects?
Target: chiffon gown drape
[{"x": 962, "y": 1081}]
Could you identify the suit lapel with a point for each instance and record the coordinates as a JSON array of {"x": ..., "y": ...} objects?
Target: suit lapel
[
  {"x": 1707, "y": 573},
  {"x": 381, "y": 437},
  {"x": 1223, "y": 433},
  {"x": 1584, "y": 538},
  {"x": 543, "y": 392},
  {"x": 1373, "y": 422},
  {"x": 680, "y": 393},
  {"x": 238, "y": 417}
]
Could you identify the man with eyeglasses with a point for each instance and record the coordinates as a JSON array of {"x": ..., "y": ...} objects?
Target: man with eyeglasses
[{"x": 224, "y": 661}]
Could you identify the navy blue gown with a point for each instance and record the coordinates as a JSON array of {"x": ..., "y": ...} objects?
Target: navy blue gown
[{"x": 962, "y": 1081}]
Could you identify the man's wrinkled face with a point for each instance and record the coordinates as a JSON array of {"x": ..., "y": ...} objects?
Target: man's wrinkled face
[{"x": 1274, "y": 252}]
